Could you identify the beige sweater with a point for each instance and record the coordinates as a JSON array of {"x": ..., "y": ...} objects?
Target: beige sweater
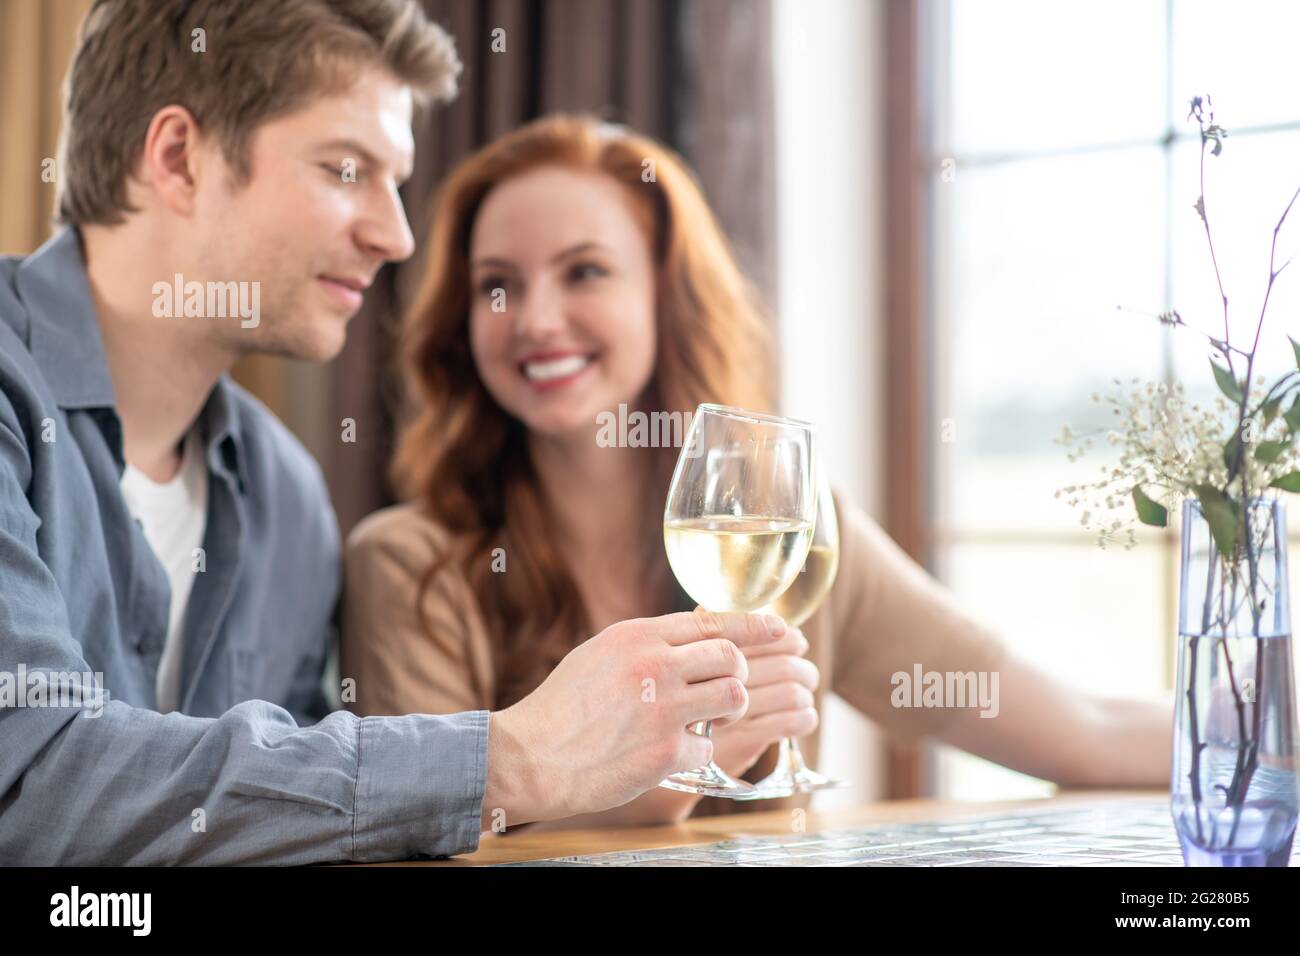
[{"x": 884, "y": 615}]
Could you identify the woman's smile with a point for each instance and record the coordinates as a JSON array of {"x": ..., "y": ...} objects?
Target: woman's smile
[{"x": 551, "y": 371}]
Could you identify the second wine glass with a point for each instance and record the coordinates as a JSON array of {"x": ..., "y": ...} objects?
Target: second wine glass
[{"x": 799, "y": 602}]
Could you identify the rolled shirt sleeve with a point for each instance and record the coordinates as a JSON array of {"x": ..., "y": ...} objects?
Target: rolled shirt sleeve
[{"x": 415, "y": 772}]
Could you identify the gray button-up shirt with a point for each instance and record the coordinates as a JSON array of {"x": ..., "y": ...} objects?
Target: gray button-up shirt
[{"x": 252, "y": 769}]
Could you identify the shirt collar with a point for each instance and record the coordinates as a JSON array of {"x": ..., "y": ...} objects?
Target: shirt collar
[
  {"x": 222, "y": 432},
  {"x": 64, "y": 336},
  {"x": 66, "y": 343}
]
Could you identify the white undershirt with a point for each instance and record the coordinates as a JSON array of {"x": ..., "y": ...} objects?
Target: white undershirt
[{"x": 174, "y": 515}]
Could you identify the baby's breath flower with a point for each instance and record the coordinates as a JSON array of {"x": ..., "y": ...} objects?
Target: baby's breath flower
[{"x": 1166, "y": 446}]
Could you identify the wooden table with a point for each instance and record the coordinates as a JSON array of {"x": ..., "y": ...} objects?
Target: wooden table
[{"x": 538, "y": 846}]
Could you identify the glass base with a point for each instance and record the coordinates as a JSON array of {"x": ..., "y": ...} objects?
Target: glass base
[
  {"x": 710, "y": 781},
  {"x": 1194, "y": 855},
  {"x": 1264, "y": 833},
  {"x": 792, "y": 775},
  {"x": 784, "y": 783}
]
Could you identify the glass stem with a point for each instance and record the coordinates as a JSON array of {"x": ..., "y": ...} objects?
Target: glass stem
[{"x": 789, "y": 758}]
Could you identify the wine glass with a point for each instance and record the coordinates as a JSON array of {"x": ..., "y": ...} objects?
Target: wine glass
[
  {"x": 737, "y": 527},
  {"x": 799, "y": 602}
]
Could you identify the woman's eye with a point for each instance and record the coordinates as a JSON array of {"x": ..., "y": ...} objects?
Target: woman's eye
[
  {"x": 587, "y": 270},
  {"x": 488, "y": 285}
]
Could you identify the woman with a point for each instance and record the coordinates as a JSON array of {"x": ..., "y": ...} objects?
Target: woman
[{"x": 574, "y": 267}]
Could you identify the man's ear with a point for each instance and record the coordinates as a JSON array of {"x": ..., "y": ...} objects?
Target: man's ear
[{"x": 171, "y": 159}]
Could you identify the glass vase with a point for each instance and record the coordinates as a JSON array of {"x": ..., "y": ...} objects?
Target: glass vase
[{"x": 1234, "y": 789}]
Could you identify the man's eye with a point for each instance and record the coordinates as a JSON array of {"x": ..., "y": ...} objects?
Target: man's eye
[{"x": 341, "y": 173}]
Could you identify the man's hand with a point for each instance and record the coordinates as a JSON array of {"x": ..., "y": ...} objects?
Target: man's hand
[
  {"x": 610, "y": 721},
  {"x": 781, "y": 704}
]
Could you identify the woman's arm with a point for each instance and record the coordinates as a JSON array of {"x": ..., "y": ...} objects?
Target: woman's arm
[
  {"x": 1052, "y": 729},
  {"x": 890, "y": 617},
  {"x": 398, "y": 666}
]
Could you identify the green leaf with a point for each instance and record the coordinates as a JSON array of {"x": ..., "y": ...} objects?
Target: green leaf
[
  {"x": 1295, "y": 347},
  {"x": 1270, "y": 409},
  {"x": 1292, "y": 415},
  {"x": 1288, "y": 482},
  {"x": 1227, "y": 384},
  {"x": 1221, "y": 515},
  {"x": 1230, "y": 450},
  {"x": 1148, "y": 511},
  {"x": 1270, "y": 451}
]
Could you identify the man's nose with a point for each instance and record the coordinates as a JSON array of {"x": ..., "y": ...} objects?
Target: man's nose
[{"x": 385, "y": 231}]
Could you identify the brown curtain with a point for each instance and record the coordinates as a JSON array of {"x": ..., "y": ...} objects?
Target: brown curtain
[{"x": 36, "y": 41}]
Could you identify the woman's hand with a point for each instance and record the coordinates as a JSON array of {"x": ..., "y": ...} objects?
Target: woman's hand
[{"x": 781, "y": 682}]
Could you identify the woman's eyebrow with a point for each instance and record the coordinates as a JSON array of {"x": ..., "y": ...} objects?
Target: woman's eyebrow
[
  {"x": 577, "y": 248},
  {"x": 488, "y": 262},
  {"x": 563, "y": 254},
  {"x": 573, "y": 250}
]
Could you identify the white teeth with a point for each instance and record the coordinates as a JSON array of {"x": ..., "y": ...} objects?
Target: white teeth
[{"x": 555, "y": 368}]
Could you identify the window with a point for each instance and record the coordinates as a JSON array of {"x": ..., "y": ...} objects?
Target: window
[{"x": 1061, "y": 181}]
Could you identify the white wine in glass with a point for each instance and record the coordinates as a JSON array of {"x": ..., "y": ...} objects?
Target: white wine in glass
[
  {"x": 737, "y": 526},
  {"x": 801, "y": 599},
  {"x": 732, "y": 563},
  {"x": 799, "y": 602}
]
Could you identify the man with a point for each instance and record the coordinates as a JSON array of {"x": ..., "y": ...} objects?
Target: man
[{"x": 228, "y": 181}]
